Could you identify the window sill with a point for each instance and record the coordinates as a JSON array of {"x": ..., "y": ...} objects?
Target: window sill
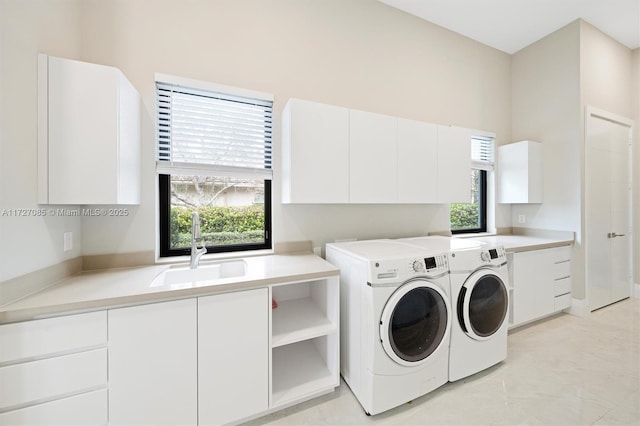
[
  {"x": 214, "y": 256},
  {"x": 474, "y": 234}
]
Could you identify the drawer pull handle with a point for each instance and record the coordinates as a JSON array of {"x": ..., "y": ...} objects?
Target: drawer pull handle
[
  {"x": 562, "y": 278},
  {"x": 562, "y": 261}
]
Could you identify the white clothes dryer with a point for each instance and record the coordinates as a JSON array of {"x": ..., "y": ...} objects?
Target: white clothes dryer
[
  {"x": 395, "y": 320},
  {"x": 480, "y": 299}
]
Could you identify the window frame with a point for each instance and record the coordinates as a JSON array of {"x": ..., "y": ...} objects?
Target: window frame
[
  {"x": 164, "y": 217},
  {"x": 164, "y": 170},
  {"x": 483, "y": 145},
  {"x": 482, "y": 207}
]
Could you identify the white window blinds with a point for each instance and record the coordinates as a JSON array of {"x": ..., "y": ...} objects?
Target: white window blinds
[
  {"x": 482, "y": 153},
  {"x": 201, "y": 132}
]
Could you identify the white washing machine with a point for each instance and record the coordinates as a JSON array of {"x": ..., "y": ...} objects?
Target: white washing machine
[
  {"x": 480, "y": 299},
  {"x": 395, "y": 320}
]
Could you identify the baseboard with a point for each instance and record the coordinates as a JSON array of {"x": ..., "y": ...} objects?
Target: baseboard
[
  {"x": 117, "y": 260},
  {"x": 579, "y": 308}
]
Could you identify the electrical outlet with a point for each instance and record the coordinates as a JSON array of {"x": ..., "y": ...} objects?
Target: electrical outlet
[
  {"x": 522, "y": 218},
  {"x": 68, "y": 241}
]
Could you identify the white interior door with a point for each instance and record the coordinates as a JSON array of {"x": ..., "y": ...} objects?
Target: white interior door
[{"x": 608, "y": 208}]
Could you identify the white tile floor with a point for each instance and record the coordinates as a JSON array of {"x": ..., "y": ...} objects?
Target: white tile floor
[{"x": 562, "y": 371}]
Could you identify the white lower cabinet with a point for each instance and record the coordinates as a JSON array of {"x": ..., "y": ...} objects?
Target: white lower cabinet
[
  {"x": 541, "y": 281},
  {"x": 304, "y": 340},
  {"x": 54, "y": 371},
  {"x": 212, "y": 360},
  {"x": 233, "y": 356},
  {"x": 85, "y": 409},
  {"x": 223, "y": 358},
  {"x": 153, "y": 364}
]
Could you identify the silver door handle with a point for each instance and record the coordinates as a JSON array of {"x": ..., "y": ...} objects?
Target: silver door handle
[{"x": 613, "y": 235}]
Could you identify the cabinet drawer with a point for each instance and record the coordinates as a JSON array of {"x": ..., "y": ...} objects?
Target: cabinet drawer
[
  {"x": 562, "y": 302},
  {"x": 85, "y": 409},
  {"x": 49, "y": 378},
  {"x": 561, "y": 253},
  {"x": 52, "y": 335},
  {"x": 562, "y": 286},
  {"x": 561, "y": 269}
]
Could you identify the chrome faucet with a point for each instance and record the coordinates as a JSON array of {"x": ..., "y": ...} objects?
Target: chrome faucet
[{"x": 196, "y": 253}]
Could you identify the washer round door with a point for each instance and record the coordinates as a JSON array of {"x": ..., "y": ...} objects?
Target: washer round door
[
  {"x": 415, "y": 322},
  {"x": 483, "y": 303}
]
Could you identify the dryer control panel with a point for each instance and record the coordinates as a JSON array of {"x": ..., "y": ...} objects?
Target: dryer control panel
[
  {"x": 468, "y": 260},
  {"x": 494, "y": 255}
]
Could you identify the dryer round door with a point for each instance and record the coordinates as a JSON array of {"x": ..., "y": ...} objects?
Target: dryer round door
[
  {"x": 483, "y": 303},
  {"x": 415, "y": 322}
]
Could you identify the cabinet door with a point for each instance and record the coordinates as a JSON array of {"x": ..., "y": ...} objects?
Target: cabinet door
[
  {"x": 233, "y": 356},
  {"x": 373, "y": 160},
  {"x": 153, "y": 364},
  {"x": 82, "y": 132},
  {"x": 89, "y": 136},
  {"x": 533, "y": 285},
  {"x": 417, "y": 162},
  {"x": 315, "y": 150},
  {"x": 454, "y": 164}
]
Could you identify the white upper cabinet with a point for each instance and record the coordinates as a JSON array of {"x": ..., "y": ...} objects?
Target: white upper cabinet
[
  {"x": 520, "y": 173},
  {"x": 373, "y": 154},
  {"x": 88, "y": 134},
  {"x": 336, "y": 155},
  {"x": 454, "y": 164},
  {"x": 417, "y": 162},
  {"x": 315, "y": 149}
]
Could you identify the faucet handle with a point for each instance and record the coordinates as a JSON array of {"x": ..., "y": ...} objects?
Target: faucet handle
[{"x": 195, "y": 225}]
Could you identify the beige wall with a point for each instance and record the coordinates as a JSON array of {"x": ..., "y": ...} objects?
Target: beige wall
[
  {"x": 360, "y": 54},
  {"x": 545, "y": 98},
  {"x": 606, "y": 82},
  {"x": 27, "y": 27},
  {"x": 605, "y": 72},
  {"x": 553, "y": 80},
  {"x": 545, "y": 108}
]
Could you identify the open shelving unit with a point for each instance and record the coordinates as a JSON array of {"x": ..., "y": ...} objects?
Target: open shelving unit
[{"x": 304, "y": 340}]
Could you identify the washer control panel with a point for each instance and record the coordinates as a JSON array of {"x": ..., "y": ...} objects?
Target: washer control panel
[
  {"x": 432, "y": 265},
  {"x": 397, "y": 270}
]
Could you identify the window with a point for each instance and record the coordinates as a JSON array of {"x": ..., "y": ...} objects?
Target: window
[
  {"x": 472, "y": 216},
  {"x": 213, "y": 157}
]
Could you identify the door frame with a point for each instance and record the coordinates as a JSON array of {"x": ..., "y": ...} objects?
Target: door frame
[{"x": 592, "y": 112}]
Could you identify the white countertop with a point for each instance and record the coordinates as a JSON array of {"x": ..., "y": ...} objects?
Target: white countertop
[
  {"x": 95, "y": 290},
  {"x": 518, "y": 243}
]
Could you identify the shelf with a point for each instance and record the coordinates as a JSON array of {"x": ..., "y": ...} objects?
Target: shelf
[
  {"x": 299, "y": 370},
  {"x": 298, "y": 319}
]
